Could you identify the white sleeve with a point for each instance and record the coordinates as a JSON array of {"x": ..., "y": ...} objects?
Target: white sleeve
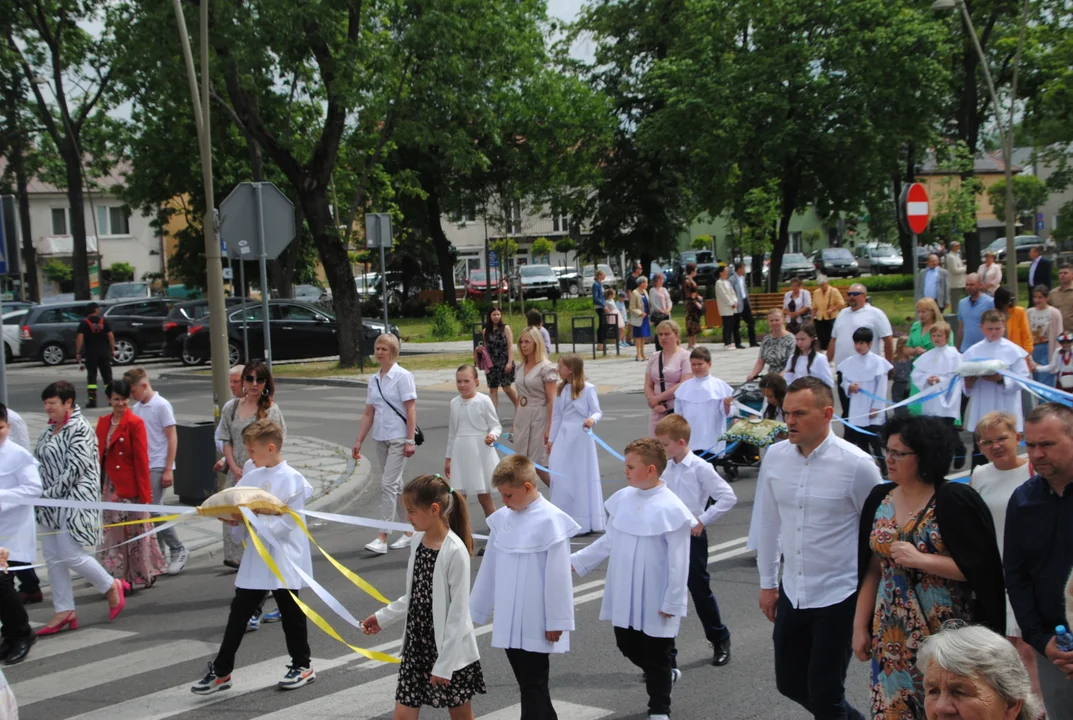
[
  {"x": 452, "y": 427},
  {"x": 558, "y": 588},
  {"x": 495, "y": 429},
  {"x": 589, "y": 558},
  {"x": 556, "y": 417},
  {"x": 165, "y": 414},
  {"x": 883, "y": 324},
  {"x": 458, "y": 626},
  {"x": 406, "y": 387},
  {"x": 28, "y": 487},
  {"x": 1020, "y": 367},
  {"x": 718, "y": 490},
  {"x": 482, "y": 596},
  {"x": 675, "y": 598},
  {"x": 767, "y": 535},
  {"x": 865, "y": 479},
  {"x": 821, "y": 369},
  {"x": 592, "y": 403}
]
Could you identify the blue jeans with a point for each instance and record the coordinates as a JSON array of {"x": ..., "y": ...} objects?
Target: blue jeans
[{"x": 1041, "y": 354}]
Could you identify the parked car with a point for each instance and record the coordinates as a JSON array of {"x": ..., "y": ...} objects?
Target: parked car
[
  {"x": 48, "y": 331},
  {"x": 480, "y": 287},
  {"x": 308, "y": 293},
  {"x": 535, "y": 280},
  {"x": 120, "y": 290},
  {"x": 299, "y": 330},
  {"x": 836, "y": 262},
  {"x": 587, "y": 272},
  {"x": 138, "y": 327},
  {"x": 707, "y": 266},
  {"x": 796, "y": 265},
  {"x": 12, "y": 323},
  {"x": 180, "y": 317},
  {"x": 1024, "y": 243},
  {"x": 13, "y": 305},
  {"x": 569, "y": 280},
  {"x": 879, "y": 259}
]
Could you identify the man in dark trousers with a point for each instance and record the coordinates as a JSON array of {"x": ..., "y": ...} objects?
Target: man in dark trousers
[
  {"x": 1041, "y": 271},
  {"x": 95, "y": 336}
]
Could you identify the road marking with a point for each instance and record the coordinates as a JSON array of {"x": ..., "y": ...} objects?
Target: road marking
[
  {"x": 179, "y": 699},
  {"x": 72, "y": 642},
  {"x": 565, "y": 711},
  {"x": 120, "y": 667},
  {"x": 363, "y": 702}
]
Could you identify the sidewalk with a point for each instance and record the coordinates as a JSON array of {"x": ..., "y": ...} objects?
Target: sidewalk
[{"x": 328, "y": 467}]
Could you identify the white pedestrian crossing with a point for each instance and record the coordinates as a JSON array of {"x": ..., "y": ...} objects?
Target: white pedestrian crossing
[
  {"x": 119, "y": 667},
  {"x": 565, "y": 711},
  {"x": 363, "y": 702},
  {"x": 74, "y": 641}
]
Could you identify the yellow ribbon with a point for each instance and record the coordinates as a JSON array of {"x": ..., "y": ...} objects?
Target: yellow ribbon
[
  {"x": 347, "y": 572},
  {"x": 310, "y": 612},
  {"x": 147, "y": 521}
]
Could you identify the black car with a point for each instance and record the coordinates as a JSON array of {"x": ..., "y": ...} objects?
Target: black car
[
  {"x": 48, "y": 331},
  {"x": 138, "y": 327},
  {"x": 707, "y": 267},
  {"x": 836, "y": 262},
  {"x": 299, "y": 330},
  {"x": 179, "y": 319}
]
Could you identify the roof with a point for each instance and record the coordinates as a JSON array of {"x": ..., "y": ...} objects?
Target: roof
[
  {"x": 985, "y": 164},
  {"x": 101, "y": 185}
]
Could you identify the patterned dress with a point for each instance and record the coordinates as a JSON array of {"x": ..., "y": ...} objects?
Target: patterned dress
[
  {"x": 910, "y": 606},
  {"x": 693, "y": 313},
  {"x": 419, "y": 649},
  {"x": 496, "y": 343}
]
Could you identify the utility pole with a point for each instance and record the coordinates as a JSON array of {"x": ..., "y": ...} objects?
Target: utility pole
[{"x": 221, "y": 388}]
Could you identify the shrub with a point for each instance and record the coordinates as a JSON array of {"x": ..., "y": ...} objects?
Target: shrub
[
  {"x": 467, "y": 313},
  {"x": 415, "y": 307},
  {"x": 444, "y": 323}
]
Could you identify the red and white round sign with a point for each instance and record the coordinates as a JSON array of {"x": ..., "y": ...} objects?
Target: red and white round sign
[{"x": 917, "y": 208}]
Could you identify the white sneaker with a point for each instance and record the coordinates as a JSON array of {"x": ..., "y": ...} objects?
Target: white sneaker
[
  {"x": 296, "y": 677},
  {"x": 377, "y": 546},
  {"x": 659, "y": 717},
  {"x": 178, "y": 562},
  {"x": 402, "y": 543},
  {"x": 675, "y": 675}
]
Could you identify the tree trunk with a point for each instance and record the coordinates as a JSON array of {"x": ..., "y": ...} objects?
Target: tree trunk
[
  {"x": 969, "y": 133},
  {"x": 75, "y": 199},
  {"x": 333, "y": 255},
  {"x": 29, "y": 252},
  {"x": 782, "y": 241},
  {"x": 444, "y": 257}
]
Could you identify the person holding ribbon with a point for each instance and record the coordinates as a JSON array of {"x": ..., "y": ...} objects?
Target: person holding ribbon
[
  {"x": 536, "y": 399},
  {"x": 995, "y": 391},
  {"x": 124, "y": 458},
  {"x": 71, "y": 470},
  {"x": 919, "y": 342},
  {"x": 473, "y": 428}
]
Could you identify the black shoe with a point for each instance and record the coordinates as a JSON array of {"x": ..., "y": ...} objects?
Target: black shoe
[
  {"x": 722, "y": 653},
  {"x": 754, "y": 344},
  {"x": 18, "y": 650},
  {"x": 5, "y": 649},
  {"x": 960, "y": 458},
  {"x": 739, "y": 347},
  {"x": 30, "y": 598},
  {"x": 91, "y": 404},
  {"x": 231, "y": 564}
]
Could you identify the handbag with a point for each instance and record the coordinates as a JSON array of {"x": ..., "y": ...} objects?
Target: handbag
[
  {"x": 663, "y": 385},
  {"x": 482, "y": 358},
  {"x": 419, "y": 437}
]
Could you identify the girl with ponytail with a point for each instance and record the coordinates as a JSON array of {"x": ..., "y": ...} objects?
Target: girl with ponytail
[
  {"x": 440, "y": 662},
  {"x": 806, "y": 361}
]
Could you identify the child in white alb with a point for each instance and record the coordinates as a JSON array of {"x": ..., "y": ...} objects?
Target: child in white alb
[
  {"x": 525, "y": 582},
  {"x": 937, "y": 369},
  {"x": 473, "y": 428},
  {"x": 864, "y": 379},
  {"x": 704, "y": 401},
  {"x": 647, "y": 549}
]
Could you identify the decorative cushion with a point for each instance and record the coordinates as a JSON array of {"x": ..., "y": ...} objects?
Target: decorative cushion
[
  {"x": 976, "y": 368},
  {"x": 755, "y": 431},
  {"x": 227, "y": 502}
]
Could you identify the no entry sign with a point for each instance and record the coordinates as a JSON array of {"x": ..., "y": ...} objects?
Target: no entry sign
[{"x": 917, "y": 208}]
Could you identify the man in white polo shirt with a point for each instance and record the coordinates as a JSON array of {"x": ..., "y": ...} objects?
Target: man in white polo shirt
[
  {"x": 857, "y": 314},
  {"x": 159, "y": 421}
]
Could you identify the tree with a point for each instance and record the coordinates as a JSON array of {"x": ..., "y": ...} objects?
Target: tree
[
  {"x": 121, "y": 272},
  {"x": 702, "y": 242},
  {"x": 51, "y": 44},
  {"x": 1029, "y": 193},
  {"x": 542, "y": 247}
]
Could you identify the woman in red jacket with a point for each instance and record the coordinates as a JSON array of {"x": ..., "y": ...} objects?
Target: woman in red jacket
[{"x": 124, "y": 454}]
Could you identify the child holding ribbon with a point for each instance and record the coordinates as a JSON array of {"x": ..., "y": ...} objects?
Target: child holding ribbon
[
  {"x": 289, "y": 549},
  {"x": 473, "y": 429},
  {"x": 440, "y": 663}
]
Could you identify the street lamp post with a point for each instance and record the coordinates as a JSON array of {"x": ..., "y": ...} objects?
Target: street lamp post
[{"x": 1005, "y": 129}]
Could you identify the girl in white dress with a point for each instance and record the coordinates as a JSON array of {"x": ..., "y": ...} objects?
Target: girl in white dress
[
  {"x": 806, "y": 361},
  {"x": 572, "y": 456},
  {"x": 473, "y": 428}
]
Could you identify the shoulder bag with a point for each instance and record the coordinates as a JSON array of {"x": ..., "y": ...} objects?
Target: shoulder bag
[
  {"x": 663, "y": 385},
  {"x": 419, "y": 437}
]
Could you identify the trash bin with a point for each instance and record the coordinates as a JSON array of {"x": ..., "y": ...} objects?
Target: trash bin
[{"x": 194, "y": 479}]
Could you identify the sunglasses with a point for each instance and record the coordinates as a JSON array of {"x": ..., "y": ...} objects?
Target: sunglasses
[
  {"x": 854, "y": 294},
  {"x": 254, "y": 379}
]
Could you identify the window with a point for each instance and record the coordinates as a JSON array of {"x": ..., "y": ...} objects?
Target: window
[
  {"x": 465, "y": 215},
  {"x": 560, "y": 220},
  {"x": 514, "y": 217},
  {"x": 50, "y": 316},
  {"x": 59, "y": 221},
  {"x": 113, "y": 221},
  {"x": 141, "y": 309},
  {"x": 795, "y": 242},
  {"x": 298, "y": 313}
]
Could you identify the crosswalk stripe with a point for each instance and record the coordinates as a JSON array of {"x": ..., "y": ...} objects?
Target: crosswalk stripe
[
  {"x": 565, "y": 711},
  {"x": 179, "y": 699},
  {"x": 119, "y": 667},
  {"x": 363, "y": 702},
  {"x": 72, "y": 642}
]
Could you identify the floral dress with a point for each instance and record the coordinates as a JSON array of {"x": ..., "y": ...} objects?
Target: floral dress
[
  {"x": 419, "y": 649},
  {"x": 910, "y": 606},
  {"x": 496, "y": 344},
  {"x": 694, "y": 306}
]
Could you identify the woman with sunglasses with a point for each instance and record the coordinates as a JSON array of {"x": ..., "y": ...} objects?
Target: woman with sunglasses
[
  {"x": 254, "y": 402},
  {"x": 927, "y": 554}
]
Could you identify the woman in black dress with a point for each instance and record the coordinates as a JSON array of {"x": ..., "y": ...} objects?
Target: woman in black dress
[{"x": 499, "y": 341}]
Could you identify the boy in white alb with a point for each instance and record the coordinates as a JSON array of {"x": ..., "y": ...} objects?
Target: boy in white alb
[
  {"x": 525, "y": 582},
  {"x": 865, "y": 371},
  {"x": 645, "y": 596},
  {"x": 935, "y": 369},
  {"x": 705, "y": 402},
  {"x": 159, "y": 419},
  {"x": 695, "y": 482},
  {"x": 263, "y": 440}
]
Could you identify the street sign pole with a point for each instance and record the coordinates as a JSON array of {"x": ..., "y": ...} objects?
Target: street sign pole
[
  {"x": 915, "y": 213},
  {"x": 263, "y": 260},
  {"x": 916, "y": 270},
  {"x": 245, "y": 315}
]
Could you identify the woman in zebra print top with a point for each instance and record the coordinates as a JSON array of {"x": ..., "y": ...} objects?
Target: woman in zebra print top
[{"x": 70, "y": 470}]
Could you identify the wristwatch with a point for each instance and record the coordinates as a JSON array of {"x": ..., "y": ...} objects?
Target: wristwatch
[{"x": 410, "y": 441}]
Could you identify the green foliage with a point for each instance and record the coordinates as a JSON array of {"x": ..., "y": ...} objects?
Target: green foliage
[
  {"x": 467, "y": 313},
  {"x": 954, "y": 205},
  {"x": 542, "y": 248},
  {"x": 702, "y": 242},
  {"x": 565, "y": 245},
  {"x": 121, "y": 272},
  {"x": 812, "y": 238},
  {"x": 506, "y": 248},
  {"x": 56, "y": 271},
  {"x": 1029, "y": 193},
  {"x": 445, "y": 325}
]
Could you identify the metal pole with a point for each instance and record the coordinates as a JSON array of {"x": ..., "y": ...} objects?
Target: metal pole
[
  {"x": 221, "y": 387},
  {"x": 916, "y": 269},
  {"x": 245, "y": 316},
  {"x": 383, "y": 283},
  {"x": 263, "y": 262},
  {"x": 3, "y": 363}
]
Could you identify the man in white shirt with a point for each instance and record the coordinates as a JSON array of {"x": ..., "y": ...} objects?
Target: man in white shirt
[
  {"x": 159, "y": 419},
  {"x": 857, "y": 314},
  {"x": 816, "y": 485}
]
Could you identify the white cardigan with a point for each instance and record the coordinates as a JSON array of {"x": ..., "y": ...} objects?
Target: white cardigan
[{"x": 456, "y": 644}]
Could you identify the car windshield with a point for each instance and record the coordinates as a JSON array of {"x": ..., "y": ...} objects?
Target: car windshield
[
  {"x": 536, "y": 271},
  {"x": 999, "y": 244},
  {"x": 127, "y": 290},
  {"x": 477, "y": 276},
  {"x": 1029, "y": 240},
  {"x": 794, "y": 259},
  {"x": 837, "y": 254},
  {"x": 887, "y": 251},
  {"x": 607, "y": 270}
]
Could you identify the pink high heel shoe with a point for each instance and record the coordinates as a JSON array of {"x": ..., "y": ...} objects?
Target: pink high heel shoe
[
  {"x": 70, "y": 622},
  {"x": 122, "y": 587}
]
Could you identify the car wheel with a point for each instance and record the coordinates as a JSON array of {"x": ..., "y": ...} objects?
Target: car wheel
[
  {"x": 574, "y": 289},
  {"x": 53, "y": 354},
  {"x": 190, "y": 360},
  {"x": 126, "y": 351},
  {"x": 234, "y": 354}
]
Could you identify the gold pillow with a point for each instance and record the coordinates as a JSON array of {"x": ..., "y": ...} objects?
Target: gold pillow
[{"x": 228, "y": 502}]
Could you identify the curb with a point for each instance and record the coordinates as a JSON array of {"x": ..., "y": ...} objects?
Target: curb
[{"x": 327, "y": 382}]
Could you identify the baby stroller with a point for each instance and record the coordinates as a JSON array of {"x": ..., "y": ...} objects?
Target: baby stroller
[{"x": 741, "y": 454}]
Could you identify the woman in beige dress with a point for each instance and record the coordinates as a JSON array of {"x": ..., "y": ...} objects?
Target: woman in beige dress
[{"x": 535, "y": 383}]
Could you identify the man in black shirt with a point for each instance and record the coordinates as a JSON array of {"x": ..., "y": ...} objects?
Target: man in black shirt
[
  {"x": 1038, "y": 556},
  {"x": 95, "y": 336}
]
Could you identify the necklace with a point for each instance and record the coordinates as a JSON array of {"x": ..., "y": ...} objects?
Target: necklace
[{"x": 115, "y": 421}]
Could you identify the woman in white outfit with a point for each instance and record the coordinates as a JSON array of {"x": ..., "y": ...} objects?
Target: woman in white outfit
[
  {"x": 997, "y": 437},
  {"x": 391, "y": 417},
  {"x": 472, "y": 429},
  {"x": 576, "y": 489}
]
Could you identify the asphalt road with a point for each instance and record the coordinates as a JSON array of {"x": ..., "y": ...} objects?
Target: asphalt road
[{"x": 140, "y": 666}]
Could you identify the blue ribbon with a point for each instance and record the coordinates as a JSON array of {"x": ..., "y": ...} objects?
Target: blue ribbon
[
  {"x": 726, "y": 451},
  {"x": 604, "y": 445},
  {"x": 507, "y": 451},
  {"x": 1045, "y": 392},
  {"x": 851, "y": 426}
]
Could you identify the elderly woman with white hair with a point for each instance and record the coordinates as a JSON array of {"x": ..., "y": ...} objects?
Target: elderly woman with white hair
[
  {"x": 391, "y": 418},
  {"x": 972, "y": 673}
]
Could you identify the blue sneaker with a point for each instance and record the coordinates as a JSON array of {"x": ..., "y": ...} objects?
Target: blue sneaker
[
  {"x": 254, "y": 623},
  {"x": 272, "y": 616}
]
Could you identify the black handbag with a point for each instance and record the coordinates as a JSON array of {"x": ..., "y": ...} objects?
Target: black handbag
[
  {"x": 419, "y": 437},
  {"x": 663, "y": 384}
]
